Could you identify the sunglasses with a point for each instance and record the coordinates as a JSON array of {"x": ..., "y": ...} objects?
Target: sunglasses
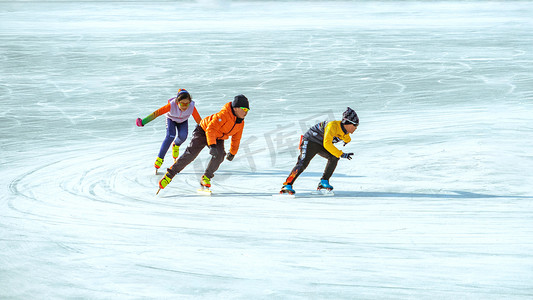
[
  {"x": 245, "y": 109},
  {"x": 184, "y": 103}
]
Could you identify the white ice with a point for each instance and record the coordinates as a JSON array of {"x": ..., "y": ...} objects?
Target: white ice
[{"x": 436, "y": 204}]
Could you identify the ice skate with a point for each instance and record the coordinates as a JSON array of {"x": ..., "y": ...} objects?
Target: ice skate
[
  {"x": 205, "y": 185},
  {"x": 325, "y": 188},
  {"x": 324, "y": 184},
  {"x": 163, "y": 183},
  {"x": 157, "y": 164},
  {"x": 175, "y": 151},
  {"x": 287, "y": 189}
]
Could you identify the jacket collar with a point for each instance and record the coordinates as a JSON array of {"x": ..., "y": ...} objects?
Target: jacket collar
[{"x": 343, "y": 129}]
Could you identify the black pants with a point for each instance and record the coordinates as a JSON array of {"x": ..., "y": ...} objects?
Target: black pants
[
  {"x": 308, "y": 150},
  {"x": 198, "y": 142}
]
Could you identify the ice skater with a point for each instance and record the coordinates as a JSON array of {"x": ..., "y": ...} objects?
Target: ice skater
[
  {"x": 211, "y": 132},
  {"x": 178, "y": 110},
  {"x": 319, "y": 139}
]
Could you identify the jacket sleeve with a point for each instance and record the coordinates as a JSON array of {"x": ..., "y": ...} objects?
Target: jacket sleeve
[
  {"x": 235, "y": 142},
  {"x": 346, "y": 138},
  {"x": 196, "y": 116},
  {"x": 157, "y": 113},
  {"x": 212, "y": 131},
  {"x": 329, "y": 134}
]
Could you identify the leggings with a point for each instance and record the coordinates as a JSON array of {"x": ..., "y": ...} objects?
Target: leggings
[
  {"x": 183, "y": 131},
  {"x": 308, "y": 150}
]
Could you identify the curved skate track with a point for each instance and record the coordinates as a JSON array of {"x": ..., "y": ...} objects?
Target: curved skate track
[
  {"x": 435, "y": 204},
  {"x": 94, "y": 229}
]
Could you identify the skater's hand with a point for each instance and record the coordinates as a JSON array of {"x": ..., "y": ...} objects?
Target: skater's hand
[
  {"x": 213, "y": 150},
  {"x": 230, "y": 156},
  {"x": 347, "y": 155},
  {"x": 139, "y": 122}
]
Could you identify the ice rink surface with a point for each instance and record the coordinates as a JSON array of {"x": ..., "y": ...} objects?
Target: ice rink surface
[{"x": 436, "y": 204}]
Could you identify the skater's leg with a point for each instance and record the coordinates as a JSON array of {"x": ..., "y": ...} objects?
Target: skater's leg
[
  {"x": 183, "y": 131},
  {"x": 171, "y": 134},
  {"x": 215, "y": 162},
  {"x": 198, "y": 142},
  {"x": 330, "y": 166},
  {"x": 307, "y": 152}
]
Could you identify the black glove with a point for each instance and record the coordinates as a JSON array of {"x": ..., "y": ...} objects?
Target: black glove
[
  {"x": 230, "y": 156},
  {"x": 213, "y": 150},
  {"x": 347, "y": 155}
]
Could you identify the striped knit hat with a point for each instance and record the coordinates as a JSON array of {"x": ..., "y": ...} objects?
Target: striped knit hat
[
  {"x": 349, "y": 116},
  {"x": 184, "y": 93}
]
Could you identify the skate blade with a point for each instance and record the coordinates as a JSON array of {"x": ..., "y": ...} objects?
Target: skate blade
[
  {"x": 159, "y": 189},
  {"x": 324, "y": 192},
  {"x": 204, "y": 191},
  {"x": 284, "y": 196}
]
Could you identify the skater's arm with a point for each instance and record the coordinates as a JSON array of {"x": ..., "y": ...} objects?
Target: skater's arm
[
  {"x": 196, "y": 116},
  {"x": 155, "y": 114},
  {"x": 346, "y": 139},
  {"x": 235, "y": 142},
  {"x": 213, "y": 128}
]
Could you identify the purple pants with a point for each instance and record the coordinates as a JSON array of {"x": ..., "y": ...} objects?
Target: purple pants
[{"x": 182, "y": 130}]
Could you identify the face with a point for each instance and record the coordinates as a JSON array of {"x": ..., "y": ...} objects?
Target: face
[
  {"x": 240, "y": 112},
  {"x": 350, "y": 128},
  {"x": 183, "y": 104}
]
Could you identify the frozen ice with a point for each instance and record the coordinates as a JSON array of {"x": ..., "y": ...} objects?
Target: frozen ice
[{"x": 436, "y": 204}]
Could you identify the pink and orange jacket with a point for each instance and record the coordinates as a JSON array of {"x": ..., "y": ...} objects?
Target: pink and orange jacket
[{"x": 173, "y": 112}]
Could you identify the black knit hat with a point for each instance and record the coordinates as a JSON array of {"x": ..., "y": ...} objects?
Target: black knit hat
[{"x": 240, "y": 101}]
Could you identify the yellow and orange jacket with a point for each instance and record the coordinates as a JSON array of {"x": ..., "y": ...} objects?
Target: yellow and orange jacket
[
  {"x": 327, "y": 133},
  {"x": 221, "y": 126}
]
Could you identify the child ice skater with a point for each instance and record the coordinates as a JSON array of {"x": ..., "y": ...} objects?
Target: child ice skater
[
  {"x": 211, "y": 132},
  {"x": 178, "y": 110},
  {"x": 319, "y": 139}
]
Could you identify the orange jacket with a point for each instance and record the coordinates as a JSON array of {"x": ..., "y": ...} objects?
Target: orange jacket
[{"x": 221, "y": 126}]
